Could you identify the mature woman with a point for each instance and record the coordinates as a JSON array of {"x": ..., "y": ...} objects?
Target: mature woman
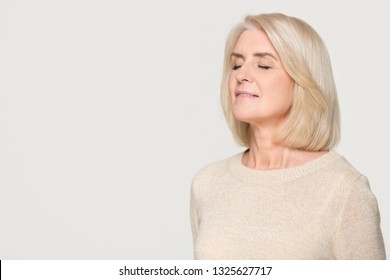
[{"x": 289, "y": 195}]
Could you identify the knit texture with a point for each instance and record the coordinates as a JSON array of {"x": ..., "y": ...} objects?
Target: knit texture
[{"x": 323, "y": 209}]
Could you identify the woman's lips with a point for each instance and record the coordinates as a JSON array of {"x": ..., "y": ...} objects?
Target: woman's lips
[{"x": 246, "y": 94}]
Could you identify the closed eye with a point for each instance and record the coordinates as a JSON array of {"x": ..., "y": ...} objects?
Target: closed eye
[
  {"x": 235, "y": 67},
  {"x": 264, "y": 67}
]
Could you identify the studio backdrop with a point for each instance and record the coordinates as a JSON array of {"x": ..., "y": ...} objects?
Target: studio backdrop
[{"x": 108, "y": 109}]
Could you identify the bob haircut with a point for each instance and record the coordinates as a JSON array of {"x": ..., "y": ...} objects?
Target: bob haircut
[{"x": 313, "y": 123}]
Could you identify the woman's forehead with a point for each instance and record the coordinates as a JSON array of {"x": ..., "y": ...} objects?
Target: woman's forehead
[{"x": 254, "y": 42}]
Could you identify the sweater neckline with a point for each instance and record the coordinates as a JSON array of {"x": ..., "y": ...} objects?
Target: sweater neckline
[{"x": 254, "y": 176}]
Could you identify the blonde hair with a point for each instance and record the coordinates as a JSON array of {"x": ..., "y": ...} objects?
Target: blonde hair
[{"x": 314, "y": 120}]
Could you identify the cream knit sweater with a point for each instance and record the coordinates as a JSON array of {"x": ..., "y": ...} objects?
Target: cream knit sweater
[{"x": 323, "y": 209}]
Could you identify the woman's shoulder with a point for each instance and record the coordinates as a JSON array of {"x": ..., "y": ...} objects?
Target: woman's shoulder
[
  {"x": 346, "y": 177},
  {"x": 342, "y": 168},
  {"x": 215, "y": 168}
]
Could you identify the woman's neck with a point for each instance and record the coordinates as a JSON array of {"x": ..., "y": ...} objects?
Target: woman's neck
[{"x": 265, "y": 154}]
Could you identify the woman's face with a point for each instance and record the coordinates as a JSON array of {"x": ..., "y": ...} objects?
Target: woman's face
[{"x": 260, "y": 88}]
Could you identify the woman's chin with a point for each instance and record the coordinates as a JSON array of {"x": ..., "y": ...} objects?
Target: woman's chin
[{"x": 247, "y": 116}]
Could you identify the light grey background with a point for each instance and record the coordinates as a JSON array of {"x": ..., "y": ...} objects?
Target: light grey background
[{"x": 109, "y": 107}]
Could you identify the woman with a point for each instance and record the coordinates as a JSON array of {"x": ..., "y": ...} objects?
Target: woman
[{"x": 289, "y": 195}]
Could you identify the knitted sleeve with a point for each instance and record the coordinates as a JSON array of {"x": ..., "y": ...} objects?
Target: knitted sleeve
[{"x": 358, "y": 234}]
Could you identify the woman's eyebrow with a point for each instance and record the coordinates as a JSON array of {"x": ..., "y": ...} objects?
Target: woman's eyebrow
[
  {"x": 238, "y": 55},
  {"x": 259, "y": 54}
]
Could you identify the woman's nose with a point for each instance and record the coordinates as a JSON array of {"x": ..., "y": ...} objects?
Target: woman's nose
[{"x": 243, "y": 75}]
